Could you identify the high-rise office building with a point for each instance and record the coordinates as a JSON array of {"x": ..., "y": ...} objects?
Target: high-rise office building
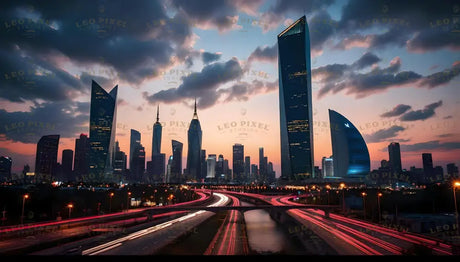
[
  {"x": 102, "y": 129},
  {"x": 238, "y": 163},
  {"x": 349, "y": 150},
  {"x": 247, "y": 168},
  {"x": 5, "y": 168},
  {"x": 119, "y": 163},
  {"x": 262, "y": 168},
  {"x": 428, "y": 169},
  {"x": 327, "y": 166},
  {"x": 156, "y": 167},
  {"x": 194, "y": 148},
  {"x": 204, "y": 165},
  {"x": 67, "y": 163},
  {"x": 138, "y": 164},
  {"x": 211, "y": 166},
  {"x": 176, "y": 162},
  {"x": 394, "y": 153},
  {"x": 46, "y": 158},
  {"x": 134, "y": 142},
  {"x": 295, "y": 101},
  {"x": 81, "y": 156},
  {"x": 452, "y": 170},
  {"x": 156, "y": 136}
]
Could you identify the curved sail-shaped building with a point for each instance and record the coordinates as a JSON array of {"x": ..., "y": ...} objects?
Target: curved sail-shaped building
[
  {"x": 295, "y": 101},
  {"x": 349, "y": 150}
]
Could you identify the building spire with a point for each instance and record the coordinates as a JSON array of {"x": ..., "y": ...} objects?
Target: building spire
[
  {"x": 195, "y": 115},
  {"x": 158, "y": 113}
]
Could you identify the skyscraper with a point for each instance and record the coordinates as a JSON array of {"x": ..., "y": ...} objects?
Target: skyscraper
[
  {"x": 262, "y": 168},
  {"x": 349, "y": 150},
  {"x": 428, "y": 169},
  {"x": 156, "y": 167},
  {"x": 295, "y": 101},
  {"x": 247, "y": 168},
  {"x": 194, "y": 148},
  {"x": 327, "y": 167},
  {"x": 394, "y": 153},
  {"x": 176, "y": 162},
  {"x": 138, "y": 164},
  {"x": 67, "y": 161},
  {"x": 211, "y": 166},
  {"x": 134, "y": 142},
  {"x": 119, "y": 162},
  {"x": 238, "y": 163},
  {"x": 102, "y": 129},
  {"x": 156, "y": 136},
  {"x": 46, "y": 158},
  {"x": 81, "y": 158},
  {"x": 5, "y": 168}
]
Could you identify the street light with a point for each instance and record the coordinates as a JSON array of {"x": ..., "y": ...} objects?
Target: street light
[
  {"x": 70, "y": 208},
  {"x": 110, "y": 206},
  {"x": 127, "y": 202},
  {"x": 364, "y": 204},
  {"x": 342, "y": 186},
  {"x": 456, "y": 184},
  {"x": 24, "y": 197},
  {"x": 379, "y": 195}
]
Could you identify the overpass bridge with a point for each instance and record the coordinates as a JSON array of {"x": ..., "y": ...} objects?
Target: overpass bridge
[{"x": 155, "y": 210}]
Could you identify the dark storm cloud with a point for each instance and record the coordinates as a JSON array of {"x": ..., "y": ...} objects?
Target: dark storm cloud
[
  {"x": 220, "y": 14},
  {"x": 210, "y": 57},
  {"x": 366, "y": 60},
  {"x": 330, "y": 72},
  {"x": 283, "y": 8},
  {"x": 201, "y": 85},
  {"x": 421, "y": 114},
  {"x": 321, "y": 28},
  {"x": 29, "y": 78},
  {"x": 430, "y": 145},
  {"x": 242, "y": 91},
  {"x": 121, "y": 36},
  {"x": 442, "y": 77},
  {"x": 63, "y": 118},
  {"x": 265, "y": 53},
  {"x": 383, "y": 134},
  {"x": 396, "y": 111}
]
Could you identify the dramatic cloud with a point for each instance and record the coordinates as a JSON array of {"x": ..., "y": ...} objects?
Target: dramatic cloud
[
  {"x": 123, "y": 38},
  {"x": 277, "y": 12},
  {"x": 201, "y": 85},
  {"x": 266, "y": 53},
  {"x": 338, "y": 77},
  {"x": 396, "y": 111},
  {"x": 220, "y": 14},
  {"x": 368, "y": 59},
  {"x": 210, "y": 57},
  {"x": 430, "y": 145},
  {"x": 442, "y": 77},
  {"x": 384, "y": 134},
  {"x": 68, "y": 119},
  {"x": 421, "y": 114}
]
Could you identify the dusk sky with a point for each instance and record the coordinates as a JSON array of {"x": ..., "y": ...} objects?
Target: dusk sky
[{"x": 391, "y": 67}]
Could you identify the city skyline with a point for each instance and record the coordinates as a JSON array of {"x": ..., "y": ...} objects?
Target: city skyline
[{"x": 393, "y": 72}]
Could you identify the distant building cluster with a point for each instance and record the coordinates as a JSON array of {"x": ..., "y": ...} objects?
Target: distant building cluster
[{"x": 98, "y": 158}]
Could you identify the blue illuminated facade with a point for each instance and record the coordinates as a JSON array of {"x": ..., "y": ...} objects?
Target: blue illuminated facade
[
  {"x": 349, "y": 150},
  {"x": 295, "y": 101}
]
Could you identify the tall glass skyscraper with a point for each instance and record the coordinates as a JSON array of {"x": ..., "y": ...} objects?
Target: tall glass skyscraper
[
  {"x": 134, "y": 142},
  {"x": 102, "y": 129},
  {"x": 296, "y": 126},
  {"x": 238, "y": 163},
  {"x": 156, "y": 167},
  {"x": 81, "y": 158},
  {"x": 46, "y": 158},
  {"x": 176, "y": 162},
  {"x": 349, "y": 150},
  {"x": 394, "y": 153},
  {"x": 194, "y": 148}
]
